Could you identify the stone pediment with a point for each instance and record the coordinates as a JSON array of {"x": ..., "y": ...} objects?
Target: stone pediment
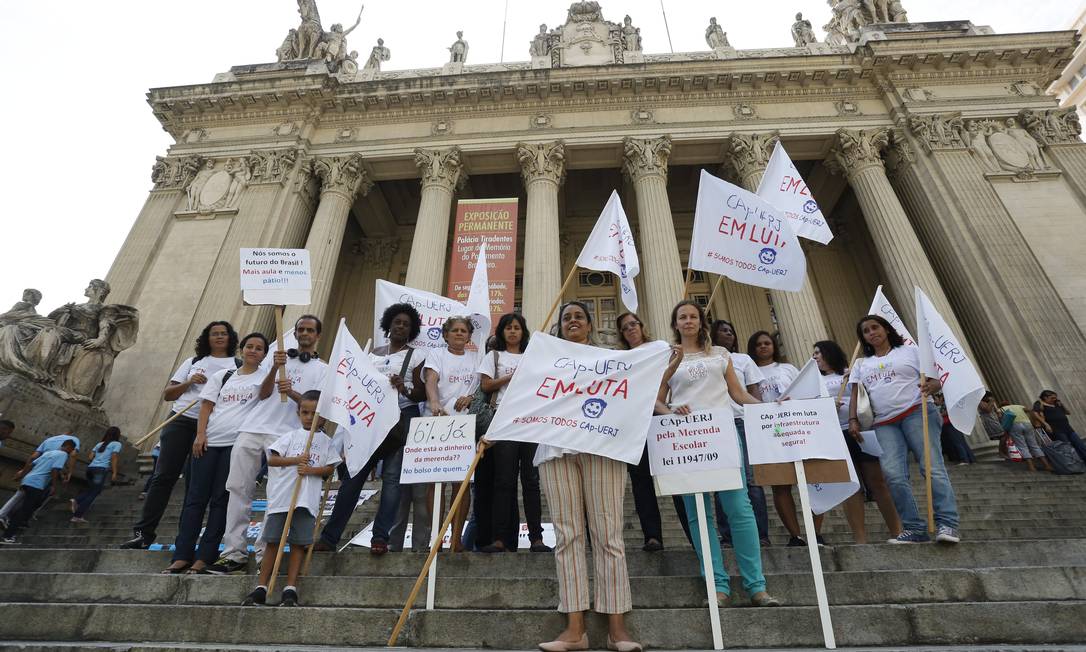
[{"x": 586, "y": 39}]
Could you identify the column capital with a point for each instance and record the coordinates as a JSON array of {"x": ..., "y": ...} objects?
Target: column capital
[
  {"x": 271, "y": 165},
  {"x": 748, "y": 155},
  {"x": 175, "y": 172},
  {"x": 644, "y": 157},
  {"x": 542, "y": 161},
  {"x": 342, "y": 175},
  {"x": 858, "y": 149},
  {"x": 900, "y": 155},
  {"x": 441, "y": 167},
  {"x": 376, "y": 253}
]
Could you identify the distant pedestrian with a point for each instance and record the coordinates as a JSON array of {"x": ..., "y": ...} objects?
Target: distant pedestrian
[{"x": 102, "y": 467}]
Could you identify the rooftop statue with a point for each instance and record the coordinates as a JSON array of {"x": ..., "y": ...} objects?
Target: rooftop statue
[
  {"x": 310, "y": 42},
  {"x": 377, "y": 55},
  {"x": 631, "y": 36},
  {"x": 851, "y": 16},
  {"x": 541, "y": 43},
  {"x": 458, "y": 51},
  {"x": 715, "y": 36},
  {"x": 802, "y": 32}
]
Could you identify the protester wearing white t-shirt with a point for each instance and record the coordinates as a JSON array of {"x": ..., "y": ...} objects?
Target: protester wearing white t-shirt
[
  {"x": 293, "y": 456},
  {"x": 497, "y": 517},
  {"x": 267, "y": 421},
  {"x": 890, "y": 372},
  {"x": 750, "y": 376},
  {"x": 765, "y": 351},
  {"x": 402, "y": 364},
  {"x": 215, "y": 349},
  {"x": 227, "y": 399},
  {"x": 833, "y": 364}
]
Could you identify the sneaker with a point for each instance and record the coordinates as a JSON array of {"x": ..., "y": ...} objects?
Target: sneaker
[
  {"x": 947, "y": 534},
  {"x": 908, "y": 536},
  {"x": 142, "y": 495},
  {"x": 820, "y": 540},
  {"x": 226, "y": 566},
  {"x": 8, "y": 541},
  {"x": 257, "y": 596},
  {"x": 138, "y": 542},
  {"x": 796, "y": 542},
  {"x": 289, "y": 599},
  {"x": 77, "y": 519}
]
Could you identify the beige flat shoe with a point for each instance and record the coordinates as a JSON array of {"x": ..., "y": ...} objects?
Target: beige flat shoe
[
  {"x": 623, "y": 646},
  {"x": 763, "y": 599},
  {"x": 565, "y": 646}
]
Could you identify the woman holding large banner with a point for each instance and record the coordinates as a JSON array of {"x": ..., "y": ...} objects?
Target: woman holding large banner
[
  {"x": 580, "y": 487},
  {"x": 833, "y": 364},
  {"x": 890, "y": 372},
  {"x": 694, "y": 381}
]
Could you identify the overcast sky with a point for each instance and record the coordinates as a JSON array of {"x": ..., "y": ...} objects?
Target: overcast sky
[{"x": 80, "y": 140}]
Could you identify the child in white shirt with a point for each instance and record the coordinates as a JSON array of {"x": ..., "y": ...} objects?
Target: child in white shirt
[{"x": 287, "y": 461}]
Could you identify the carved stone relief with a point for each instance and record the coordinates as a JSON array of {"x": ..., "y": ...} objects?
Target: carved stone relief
[
  {"x": 749, "y": 154},
  {"x": 851, "y": 16},
  {"x": 345, "y": 135},
  {"x": 173, "y": 172},
  {"x": 343, "y": 175},
  {"x": 217, "y": 189},
  {"x": 376, "y": 253},
  {"x": 1053, "y": 126},
  {"x": 1002, "y": 145},
  {"x": 938, "y": 131},
  {"x": 847, "y": 108},
  {"x": 441, "y": 127},
  {"x": 858, "y": 149},
  {"x": 919, "y": 94},
  {"x": 645, "y": 156},
  {"x": 641, "y": 116},
  {"x": 540, "y": 121},
  {"x": 542, "y": 161},
  {"x": 441, "y": 167},
  {"x": 271, "y": 166},
  {"x": 744, "y": 112}
]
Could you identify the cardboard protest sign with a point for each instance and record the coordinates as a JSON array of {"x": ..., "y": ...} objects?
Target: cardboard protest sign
[
  {"x": 783, "y": 187},
  {"x": 610, "y": 248},
  {"x": 434, "y": 309},
  {"x": 741, "y": 236},
  {"x": 277, "y": 277},
  {"x": 793, "y": 431},
  {"x": 583, "y": 398},
  {"x": 695, "y": 453},
  {"x": 438, "y": 449}
]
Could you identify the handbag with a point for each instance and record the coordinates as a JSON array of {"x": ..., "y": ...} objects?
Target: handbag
[
  {"x": 864, "y": 412},
  {"x": 483, "y": 406}
]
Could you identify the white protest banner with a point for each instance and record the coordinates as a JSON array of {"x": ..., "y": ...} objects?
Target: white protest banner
[
  {"x": 478, "y": 307},
  {"x": 581, "y": 397},
  {"x": 881, "y": 306},
  {"x": 739, "y": 235},
  {"x": 434, "y": 309},
  {"x": 783, "y": 187},
  {"x": 358, "y": 398},
  {"x": 330, "y": 504},
  {"x": 438, "y": 449},
  {"x": 870, "y": 443},
  {"x": 942, "y": 351},
  {"x": 610, "y": 248},
  {"x": 365, "y": 538},
  {"x": 793, "y": 431},
  {"x": 277, "y": 277}
]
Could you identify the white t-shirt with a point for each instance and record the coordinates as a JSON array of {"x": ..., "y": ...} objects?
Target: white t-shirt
[
  {"x": 833, "y": 386},
  {"x": 507, "y": 364},
  {"x": 207, "y": 366},
  {"x": 272, "y": 416},
  {"x": 233, "y": 403},
  {"x": 892, "y": 381},
  {"x": 391, "y": 365},
  {"x": 748, "y": 372},
  {"x": 457, "y": 376},
  {"x": 281, "y": 478},
  {"x": 778, "y": 376}
]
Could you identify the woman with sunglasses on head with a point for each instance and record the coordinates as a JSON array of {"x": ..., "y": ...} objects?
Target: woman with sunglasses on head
[
  {"x": 632, "y": 334},
  {"x": 890, "y": 372},
  {"x": 701, "y": 376}
]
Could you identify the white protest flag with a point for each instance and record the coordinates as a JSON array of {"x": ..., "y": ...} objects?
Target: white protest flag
[
  {"x": 580, "y": 397},
  {"x": 827, "y": 495},
  {"x": 610, "y": 248},
  {"x": 478, "y": 307},
  {"x": 358, "y": 398},
  {"x": 434, "y": 309},
  {"x": 783, "y": 187},
  {"x": 942, "y": 351},
  {"x": 739, "y": 235},
  {"x": 881, "y": 306}
]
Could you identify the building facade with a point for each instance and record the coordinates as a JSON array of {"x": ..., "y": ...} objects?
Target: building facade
[
  {"x": 931, "y": 148},
  {"x": 1070, "y": 87}
]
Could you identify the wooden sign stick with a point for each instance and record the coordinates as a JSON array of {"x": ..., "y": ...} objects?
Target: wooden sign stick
[
  {"x": 279, "y": 340},
  {"x": 139, "y": 442},
  {"x": 558, "y": 299},
  {"x": 927, "y": 453}
]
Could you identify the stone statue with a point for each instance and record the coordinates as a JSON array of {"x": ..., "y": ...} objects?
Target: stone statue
[
  {"x": 877, "y": 10},
  {"x": 631, "y": 36},
  {"x": 976, "y": 137},
  {"x": 309, "y": 41},
  {"x": 378, "y": 54},
  {"x": 333, "y": 46},
  {"x": 192, "y": 193},
  {"x": 715, "y": 36},
  {"x": 18, "y": 328},
  {"x": 851, "y": 16},
  {"x": 541, "y": 43},
  {"x": 897, "y": 12},
  {"x": 288, "y": 50},
  {"x": 310, "y": 31},
  {"x": 458, "y": 51},
  {"x": 239, "y": 178},
  {"x": 802, "y": 32},
  {"x": 1033, "y": 150}
]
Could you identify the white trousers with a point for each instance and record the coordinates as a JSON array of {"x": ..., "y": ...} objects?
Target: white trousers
[{"x": 241, "y": 483}]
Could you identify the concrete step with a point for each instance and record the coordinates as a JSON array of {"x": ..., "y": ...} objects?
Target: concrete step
[
  {"x": 912, "y": 624},
  {"x": 173, "y": 646}
]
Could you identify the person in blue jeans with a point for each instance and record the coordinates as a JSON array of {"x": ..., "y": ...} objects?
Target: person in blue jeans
[
  {"x": 1054, "y": 419},
  {"x": 102, "y": 467},
  {"x": 890, "y": 372},
  {"x": 701, "y": 376},
  {"x": 42, "y": 478}
]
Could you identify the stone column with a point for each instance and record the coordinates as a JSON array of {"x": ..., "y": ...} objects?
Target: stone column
[
  {"x": 342, "y": 178},
  {"x": 376, "y": 255},
  {"x": 442, "y": 172},
  {"x": 543, "y": 168},
  {"x": 799, "y": 315},
  {"x": 858, "y": 153},
  {"x": 645, "y": 161}
]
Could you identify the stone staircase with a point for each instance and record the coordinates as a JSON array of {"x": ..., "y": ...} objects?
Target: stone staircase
[{"x": 1018, "y": 580}]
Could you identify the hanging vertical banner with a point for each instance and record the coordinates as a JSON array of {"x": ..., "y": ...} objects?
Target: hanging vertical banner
[{"x": 493, "y": 221}]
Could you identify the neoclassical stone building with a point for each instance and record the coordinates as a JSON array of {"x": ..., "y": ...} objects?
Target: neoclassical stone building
[{"x": 931, "y": 148}]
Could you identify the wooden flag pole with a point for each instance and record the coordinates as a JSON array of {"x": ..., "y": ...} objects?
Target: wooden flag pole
[
  {"x": 716, "y": 288},
  {"x": 293, "y": 504},
  {"x": 434, "y": 548},
  {"x": 279, "y": 340},
  {"x": 558, "y": 299},
  {"x": 844, "y": 383},
  {"x": 317, "y": 525},
  {"x": 927, "y": 452},
  {"x": 686, "y": 286},
  {"x": 139, "y": 442}
]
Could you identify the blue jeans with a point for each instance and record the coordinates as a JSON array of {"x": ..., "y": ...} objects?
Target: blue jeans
[
  {"x": 96, "y": 481},
  {"x": 206, "y": 491},
  {"x": 391, "y": 463},
  {"x": 756, "y": 493},
  {"x": 896, "y": 440},
  {"x": 1071, "y": 437}
]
